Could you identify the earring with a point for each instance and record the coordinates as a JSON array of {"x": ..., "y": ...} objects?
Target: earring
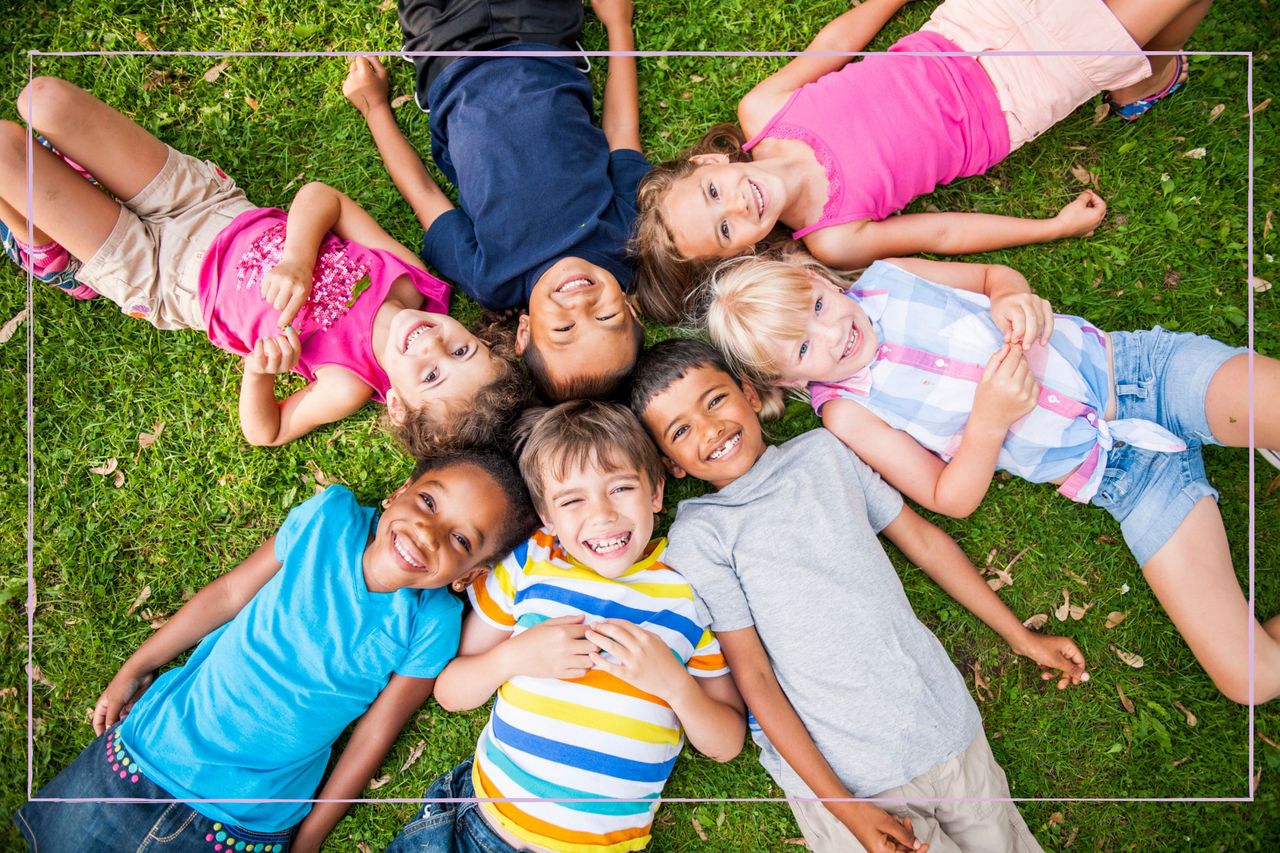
[{"x": 458, "y": 586}]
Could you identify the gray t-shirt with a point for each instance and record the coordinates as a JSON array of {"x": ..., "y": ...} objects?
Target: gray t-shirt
[{"x": 791, "y": 548}]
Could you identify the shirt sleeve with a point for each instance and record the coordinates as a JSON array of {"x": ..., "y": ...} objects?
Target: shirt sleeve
[
  {"x": 328, "y": 502},
  {"x": 494, "y": 595},
  {"x": 626, "y": 168},
  {"x": 708, "y": 661},
  {"x": 884, "y": 503},
  {"x": 450, "y": 246},
  {"x": 697, "y": 554},
  {"x": 436, "y": 634}
]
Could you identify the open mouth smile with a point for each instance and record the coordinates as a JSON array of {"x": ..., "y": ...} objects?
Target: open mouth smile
[
  {"x": 852, "y": 343},
  {"x": 726, "y": 449},
  {"x": 575, "y": 284},
  {"x": 408, "y": 552},
  {"x": 414, "y": 331},
  {"x": 759, "y": 198},
  {"x": 610, "y": 546}
]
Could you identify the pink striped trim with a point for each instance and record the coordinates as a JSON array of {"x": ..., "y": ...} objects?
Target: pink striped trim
[{"x": 1080, "y": 477}]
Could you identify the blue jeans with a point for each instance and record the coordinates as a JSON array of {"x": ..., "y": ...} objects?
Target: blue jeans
[
  {"x": 1161, "y": 376},
  {"x": 103, "y": 771},
  {"x": 449, "y": 827}
]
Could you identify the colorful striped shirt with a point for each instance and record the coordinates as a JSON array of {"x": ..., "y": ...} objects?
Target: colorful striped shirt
[
  {"x": 935, "y": 342},
  {"x": 596, "y": 739}
]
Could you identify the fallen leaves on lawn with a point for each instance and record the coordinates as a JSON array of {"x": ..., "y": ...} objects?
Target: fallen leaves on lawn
[
  {"x": 1105, "y": 539},
  {"x": 1266, "y": 224},
  {"x": 156, "y": 79},
  {"x": 1179, "y": 762},
  {"x": 980, "y": 683},
  {"x": 363, "y": 847},
  {"x": 1035, "y": 623},
  {"x": 697, "y": 78},
  {"x": 37, "y": 674},
  {"x": 1071, "y": 837},
  {"x": 386, "y": 5},
  {"x": 1125, "y": 701},
  {"x": 216, "y": 71},
  {"x": 1272, "y": 486},
  {"x": 1268, "y": 741},
  {"x": 9, "y": 693},
  {"x": 1195, "y": 153},
  {"x": 1077, "y": 611},
  {"x": 1114, "y": 618},
  {"x": 697, "y": 827},
  {"x": 144, "y": 39},
  {"x": 1056, "y": 819},
  {"x": 1129, "y": 658},
  {"x": 251, "y": 101},
  {"x": 400, "y": 100},
  {"x": 138, "y": 602},
  {"x": 1100, "y": 112},
  {"x": 1065, "y": 608},
  {"x": 1259, "y": 285},
  {"x": 1172, "y": 278},
  {"x": 118, "y": 479},
  {"x": 146, "y": 439},
  {"x": 1081, "y": 174},
  {"x": 991, "y": 555},
  {"x": 414, "y": 755},
  {"x": 1191, "y": 718},
  {"x": 798, "y": 842},
  {"x": 106, "y": 468},
  {"x": 1215, "y": 112},
  {"x": 11, "y": 326},
  {"x": 155, "y": 618},
  {"x": 1259, "y": 108},
  {"x": 375, "y": 784}
]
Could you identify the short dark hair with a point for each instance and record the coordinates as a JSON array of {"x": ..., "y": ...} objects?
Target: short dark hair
[
  {"x": 520, "y": 519},
  {"x": 583, "y": 432},
  {"x": 584, "y": 386},
  {"x": 667, "y": 362}
]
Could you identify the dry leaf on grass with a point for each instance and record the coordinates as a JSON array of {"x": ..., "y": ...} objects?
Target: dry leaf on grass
[
  {"x": 1259, "y": 285},
  {"x": 144, "y": 39},
  {"x": 697, "y": 827},
  {"x": 1114, "y": 618},
  {"x": 37, "y": 674},
  {"x": 11, "y": 326},
  {"x": 798, "y": 842},
  {"x": 414, "y": 755},
  {"x": 1035, "y": 623},
  {"x": 137, "y": 602},
  {"x": 1191, "y": 718},
  {"x": 1129, "y": 658},
  {"x": 1266, "y": 224},
  {"x": 991, "y": 556},
  {"x": 251, "y": 101},
  {"x": 1268, "y": 741},
  {"x": 1078, "y": 612},
  {"x": 216, "y": 71},
  {"x": 118, "y": 480},
  {"x": 1215, "y": 112},
  {"x": 1065, "y": 608},
  {"x": 146, "y": 439},
  {"x": 980, "y": 683},
  {"x": 1081, "y": 174},
  {"x": 1056, "y": 819},
  {"x": 1259, "y": 108},
  {"x": 377, "y": 783},
  {"x": 1100, "y": 112},
  {"x": 1104, "y": 539},
  {"x": 1179, "y": 762},
  {"x": 1273, "y": 485},
  {"x": 400, "y": 100},
  {"x": 386, "y": 5},
  {"x": 697, "y": 78},
  {"x": 1195, "y": 153},
  {"x": 156, "y": 79},
  {"x": 1125, "y": 701},
  {"x": 155, "y": 618},
  {"x": 12, "y": 692},
  {"x": 1071, "y": 837},
  {"x": 362, "y": 847},
  {"x": 106, "y": 468},
  {"x": 294, "y": 180}
]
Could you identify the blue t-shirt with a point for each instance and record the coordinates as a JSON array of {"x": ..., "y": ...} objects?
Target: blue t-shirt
[
  {"x": 255, "y": 710},
  {"x": 536, "y": 180}
]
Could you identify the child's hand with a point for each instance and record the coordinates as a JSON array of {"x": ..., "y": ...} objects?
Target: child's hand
[
  {"x": 643, "y": 659},
  {"x": 880, "y": 832},
  {"x": 552, "y": 649},
  {"x": 1080, "y": 217},
  {"x": 1024, "y": 317},
  {"x": 276, "y": 354},
  {"x": 366, "y": 83},
  {"x": 116, "y": 701},
  {"x": 1007, "y": 390},
  {"x": 613, "y": 13},
  {"x": 1056, "y": 655},
  {"x": 286, "y": 286}
]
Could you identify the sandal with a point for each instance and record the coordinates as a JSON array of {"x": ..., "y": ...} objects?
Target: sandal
[{"x": 1139, "y": 108}]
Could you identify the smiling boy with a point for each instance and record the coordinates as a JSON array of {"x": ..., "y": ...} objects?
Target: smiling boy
[
  {"x": 852, "y": 692},
  {"x": 545, "y": 198},
  {"x": 600, "y": 661}
]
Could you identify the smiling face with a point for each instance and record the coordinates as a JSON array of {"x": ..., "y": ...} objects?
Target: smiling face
[
  {"x": 838, "y": 340},
  {"x": 603, "y": 519},
  {"x": 433, "y": 359},
  {"x": 580, "y": 322},
  {"x": 722, "y": 209},
  {"x": 436, "y": 530},
  {"x": 707, "y": 426}
]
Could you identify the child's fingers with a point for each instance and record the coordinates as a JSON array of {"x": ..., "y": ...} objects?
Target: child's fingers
[
  {"x": 1046, "y": 321},
  {"x": 100, "y": 714},
  {"x": 296, "y": 297},
  {"x": 564, "y": 620},
  {"x": 993, "y": 363}
]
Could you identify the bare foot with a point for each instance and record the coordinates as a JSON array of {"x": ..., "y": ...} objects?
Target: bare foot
[{"x": 1163, "y": 69}]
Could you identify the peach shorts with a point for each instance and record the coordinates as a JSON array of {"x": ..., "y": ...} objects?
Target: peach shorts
[
  {"x": 150, "y": 263},
  {"x": 1036, "y": 92}
]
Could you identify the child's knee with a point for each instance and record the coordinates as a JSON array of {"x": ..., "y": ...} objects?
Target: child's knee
[
  {"x": 47, "y": 99},
  {"x": 13, "y": 144},
  {"x": 1234, "y": 683}
]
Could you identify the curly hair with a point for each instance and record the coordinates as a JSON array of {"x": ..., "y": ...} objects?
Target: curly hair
[{"x": 487, "y": 417}]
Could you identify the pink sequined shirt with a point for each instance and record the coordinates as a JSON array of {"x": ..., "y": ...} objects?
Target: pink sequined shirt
[{"x": 350, "y": 282}]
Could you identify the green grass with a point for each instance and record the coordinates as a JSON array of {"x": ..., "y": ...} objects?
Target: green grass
[{"x": 1171, "y": 252}]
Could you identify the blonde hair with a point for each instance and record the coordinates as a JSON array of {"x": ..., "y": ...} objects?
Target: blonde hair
[{"x": 756, "y": 303}]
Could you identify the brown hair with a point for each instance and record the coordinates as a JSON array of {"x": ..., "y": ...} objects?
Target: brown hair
[
  {"x": 666, "y": 282},
  {"x": 583, "y": 432},
  {"x": 596, "y": 386},
  {"x": 486, "y": 420}
]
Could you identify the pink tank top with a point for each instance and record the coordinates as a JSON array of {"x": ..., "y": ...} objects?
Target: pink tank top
[
  {"x": 888, "y": 129},
  {"x": 350, "y": 283}
]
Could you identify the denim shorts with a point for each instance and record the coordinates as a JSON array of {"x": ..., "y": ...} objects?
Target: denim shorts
[
  {"x": 105, "y": 770},
  {"x": 449, "y": 827},
  {"x": 1161, "y": 376}
]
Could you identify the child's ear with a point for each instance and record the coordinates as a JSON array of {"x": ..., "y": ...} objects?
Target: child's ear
[
  {"x": 461, "y": 583},
  {"x": 522, "y": 334},
  {"x": 386, "y": 502},
  {"x": 672, "y": 468},
  {"x": 658, "y": 488},
  {"x": 396, "y": 409},
  {"x": 753, "y": 396},
  {"x": 709, "y": 158}
]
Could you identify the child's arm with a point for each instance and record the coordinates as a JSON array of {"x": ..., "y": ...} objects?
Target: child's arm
[
  {"x": 217, "y": 603},
  {"x": 709, "y": 709},
  {"x": 1006, "y": 392},
  {"x": 370, "y": 741},
  {"x": 621, "y": 119},
  {"x": 940, "y": 558},
  {"x": 366, "y": 89},
  {"x": 878, "y": 831},
  {"x": 856, "y": 244},
  {"x": 267, "y": 422},
  {"x": 488, "y": 657},
  {"x": 848, "y": 33}
]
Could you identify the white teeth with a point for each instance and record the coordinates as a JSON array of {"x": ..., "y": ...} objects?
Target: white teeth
[
  {"x": 395, "y": 540},
  {"x": 413, "y": 336},
  {"x": 759, "y": 199},
  {"x": 601, "y": 545},
  {"x": 849, "y": 344},
  {"x": 576, "y": 284},
  {"x": 726, "y": 447}
]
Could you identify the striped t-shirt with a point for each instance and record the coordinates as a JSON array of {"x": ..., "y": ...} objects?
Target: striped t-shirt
[{"x": 595, "y": 738}]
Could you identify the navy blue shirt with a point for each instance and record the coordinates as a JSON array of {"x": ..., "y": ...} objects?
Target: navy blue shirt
[{"x": 536, "y": 180}]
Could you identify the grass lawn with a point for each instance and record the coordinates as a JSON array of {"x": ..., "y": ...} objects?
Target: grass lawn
[{"x": 1172, "y": 251}]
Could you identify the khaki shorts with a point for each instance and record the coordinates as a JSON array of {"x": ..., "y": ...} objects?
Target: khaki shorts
[
  {"x": 947, "y": 826},
  {"x": 1036, "y": 92},
  {"x": 150, "y": 263}
]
